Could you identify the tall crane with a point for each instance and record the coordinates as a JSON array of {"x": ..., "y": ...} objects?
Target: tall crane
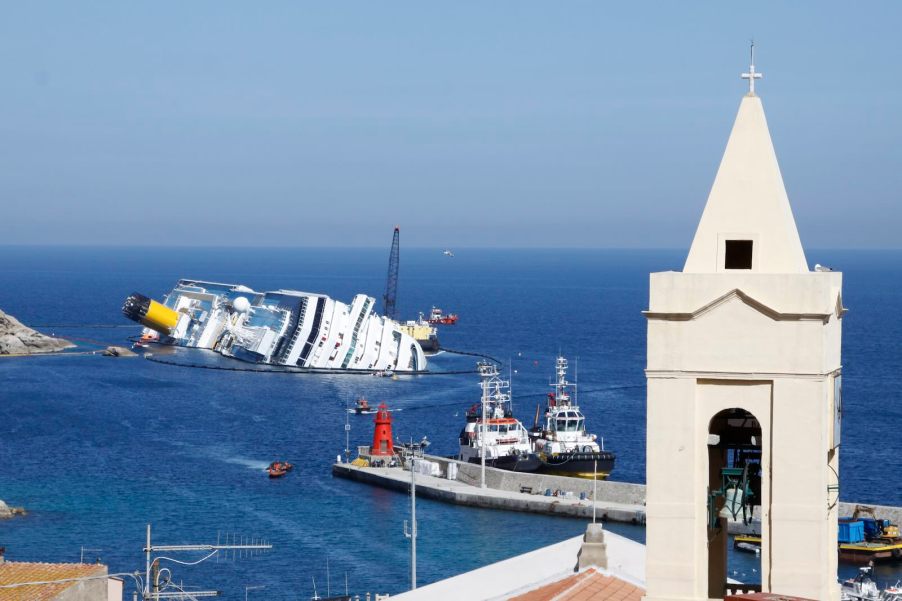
[{"x": 391, "y": 286}]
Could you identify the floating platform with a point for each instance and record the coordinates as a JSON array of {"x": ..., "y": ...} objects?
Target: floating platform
[
  {"x": 865, "y": 552},
  {"x": 862, "y": 552},
  {"x": 510, "y": 491}
]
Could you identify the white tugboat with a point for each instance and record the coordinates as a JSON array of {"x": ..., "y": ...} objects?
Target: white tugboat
[
  {"x": 561, "y": 442},
  {"x": 492, "y": 429}
]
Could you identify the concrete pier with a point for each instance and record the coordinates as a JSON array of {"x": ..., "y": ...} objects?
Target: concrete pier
[
  {"x": 510, "y": 491},
  {"x": 514, "y": 491}
]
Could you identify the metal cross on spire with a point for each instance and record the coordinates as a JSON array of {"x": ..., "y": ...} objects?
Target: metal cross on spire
[{"x": 752, "y": 75}]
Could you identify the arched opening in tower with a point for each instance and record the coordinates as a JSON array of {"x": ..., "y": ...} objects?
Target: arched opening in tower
[{"x": 734, "y": 500}]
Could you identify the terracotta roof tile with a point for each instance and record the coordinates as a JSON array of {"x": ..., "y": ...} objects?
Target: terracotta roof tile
[
  {"x": 12, "y": 572},
  {"x": 590, "y": 585}
]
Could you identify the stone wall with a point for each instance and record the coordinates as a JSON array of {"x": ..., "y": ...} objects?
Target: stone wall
[
  {"x": 613, "y": 492},
  {"x": 88, "y": 590},
  {"x": 608, "y": 491}
]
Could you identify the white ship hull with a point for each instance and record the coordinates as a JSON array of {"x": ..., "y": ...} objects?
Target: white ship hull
[{"x": 289, "y": 328}]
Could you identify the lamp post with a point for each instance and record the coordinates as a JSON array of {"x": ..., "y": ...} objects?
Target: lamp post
[
  {"x": 594, "y": 489},
  {"x": 412, "y": 535}
]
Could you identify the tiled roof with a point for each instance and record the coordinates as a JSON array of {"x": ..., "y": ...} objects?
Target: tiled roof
[
  {"x": 590, "y": 585},
  {"x": 12, "y": 572}
]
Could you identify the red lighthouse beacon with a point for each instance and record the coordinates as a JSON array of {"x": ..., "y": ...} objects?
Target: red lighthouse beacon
[{"x": 382, "y": 436}]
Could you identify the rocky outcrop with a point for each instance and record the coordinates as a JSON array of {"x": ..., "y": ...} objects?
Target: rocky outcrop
[
  {"x": 118, "y": 351},
  {"x": 17, "y": 339},
  {"x": 7, "y": 512}
]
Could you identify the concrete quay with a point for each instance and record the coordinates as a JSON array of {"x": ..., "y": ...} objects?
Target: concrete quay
[
  {"x": 505, "y": 490},
  {"x": 514, "y": 491}
]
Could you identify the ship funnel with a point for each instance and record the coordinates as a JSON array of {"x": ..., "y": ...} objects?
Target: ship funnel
[{"x": 150, "y": 313}]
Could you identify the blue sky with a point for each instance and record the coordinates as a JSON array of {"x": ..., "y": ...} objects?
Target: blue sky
[{"x": 585, "y": 124}]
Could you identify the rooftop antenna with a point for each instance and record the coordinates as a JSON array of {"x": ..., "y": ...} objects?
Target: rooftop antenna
[
  {"x": 158, "y": 579},
  {"x": 752, "y": 75},
  {"x": 83, "y": 549}
]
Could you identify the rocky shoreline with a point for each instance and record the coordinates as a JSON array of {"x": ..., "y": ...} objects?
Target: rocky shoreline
[
  {"x": 7, "y": 512},
  {"x": 18, "y": 339}
]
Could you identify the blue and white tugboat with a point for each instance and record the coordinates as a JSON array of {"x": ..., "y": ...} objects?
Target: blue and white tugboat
[
  {"x": 493, "y": 432},
  {"x": 561, "y": 442}
]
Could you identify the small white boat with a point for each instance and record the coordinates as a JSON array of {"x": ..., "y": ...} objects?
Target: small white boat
[{"x": 863, "y": 588}]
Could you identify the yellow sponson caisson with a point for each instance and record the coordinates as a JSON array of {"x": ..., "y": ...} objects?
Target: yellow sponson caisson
[
  {"x": 160, "y": 316},
  {"x": 150, "y": 313}
]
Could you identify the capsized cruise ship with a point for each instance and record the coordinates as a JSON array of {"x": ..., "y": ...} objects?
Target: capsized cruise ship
[{"x": 284, "y": 327}]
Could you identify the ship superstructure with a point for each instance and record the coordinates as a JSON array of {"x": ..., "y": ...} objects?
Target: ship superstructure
[
  {"x": 493, "y": 432},
  {"x": 424, "y": 333},
  {"x": 561, "y": 442},
  {"x": 282, "y": 327}
]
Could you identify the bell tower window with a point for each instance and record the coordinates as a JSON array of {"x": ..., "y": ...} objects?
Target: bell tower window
[{"x": 737, "y": 254}]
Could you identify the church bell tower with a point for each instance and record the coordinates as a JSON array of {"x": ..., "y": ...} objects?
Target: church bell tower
[{"x": 744, "y": 399}]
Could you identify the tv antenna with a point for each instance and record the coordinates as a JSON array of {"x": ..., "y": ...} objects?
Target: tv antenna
[
  {"x": 89, "y": 549},
  {"x": 158, "y": 580}
]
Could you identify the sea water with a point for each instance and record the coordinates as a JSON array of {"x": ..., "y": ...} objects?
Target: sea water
[{"x": 96, "y": 448}]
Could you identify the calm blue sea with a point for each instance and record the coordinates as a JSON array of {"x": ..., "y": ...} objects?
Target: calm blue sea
[{"x": 96, "y": 448}]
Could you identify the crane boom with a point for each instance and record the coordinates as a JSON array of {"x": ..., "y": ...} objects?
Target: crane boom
[{"x": 391, "y": 285}]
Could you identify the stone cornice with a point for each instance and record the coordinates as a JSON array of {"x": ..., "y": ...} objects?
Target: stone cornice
[
  {"x": 751, "y": 302},
  {"x": 727, "y": 375}
]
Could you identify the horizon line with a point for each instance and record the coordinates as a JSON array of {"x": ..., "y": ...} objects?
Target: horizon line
[{"x": 353, "y": 247}]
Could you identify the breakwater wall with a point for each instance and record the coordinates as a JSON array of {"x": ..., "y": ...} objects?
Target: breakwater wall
[
  {"x": 539, "y": 493},
  {"x": 459, "y": 493},
  {"x": 612, "y": 492},
  {"x": 608, "y": 490}
]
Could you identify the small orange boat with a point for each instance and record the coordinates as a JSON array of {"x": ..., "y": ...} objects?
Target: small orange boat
[{"x": 277, "y": 469}]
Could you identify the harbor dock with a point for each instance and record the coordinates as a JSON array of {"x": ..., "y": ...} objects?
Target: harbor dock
[
  {"x": 511, "y": 491},
  {"x": 530, "y": 492}
]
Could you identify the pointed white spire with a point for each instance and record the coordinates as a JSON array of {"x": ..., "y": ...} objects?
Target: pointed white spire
[{"x": 747, "y": 223}]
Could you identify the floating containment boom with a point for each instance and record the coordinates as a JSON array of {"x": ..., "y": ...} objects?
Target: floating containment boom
[{"x": 282, "y": 327}]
